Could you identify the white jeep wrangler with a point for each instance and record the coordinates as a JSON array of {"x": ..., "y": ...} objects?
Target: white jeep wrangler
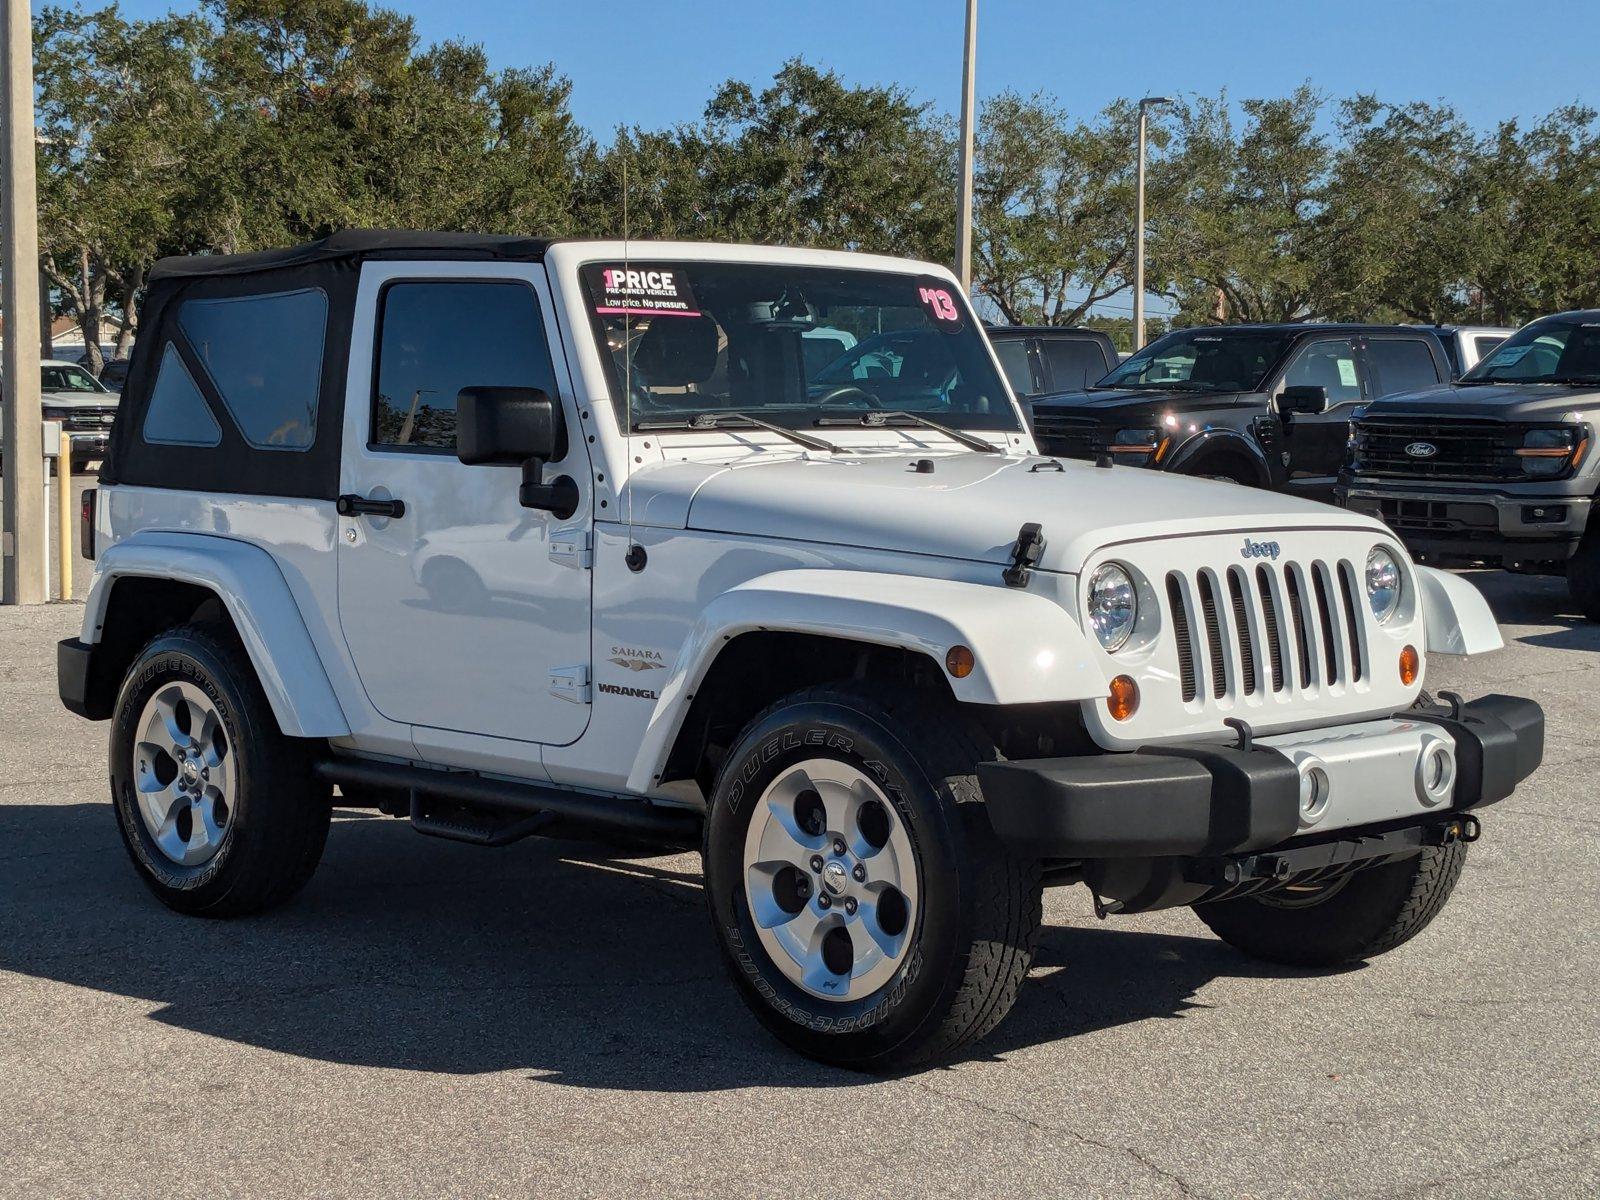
[{"x": 510, "y": 537}]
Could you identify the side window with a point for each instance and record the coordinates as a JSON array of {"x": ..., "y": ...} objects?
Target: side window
[
  {"x": 1486, "y": 345},
  {"x": 1075, "y": 363},
  {"x": 1017, "y": 363},
  {"x": 1401, "y": 365},
  {"x": 178, "y": 414},
  {"x": 435, "y": 339},
  {"x": 1329, "y": 364},
  {"x": 264, "y": 354}
]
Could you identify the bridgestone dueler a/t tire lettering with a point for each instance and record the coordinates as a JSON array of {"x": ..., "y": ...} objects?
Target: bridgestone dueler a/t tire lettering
[
  {"x": 978, "y": 910},
  {"x": 279, "y": 819},
  {"x": 1372, "y": 912}
]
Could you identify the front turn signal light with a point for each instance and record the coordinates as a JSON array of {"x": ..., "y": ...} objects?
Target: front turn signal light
[
  {"x": 1410, "y": 665},
  {"x": 959, "y": 662},
  {"x": 1123, "y": 701}
]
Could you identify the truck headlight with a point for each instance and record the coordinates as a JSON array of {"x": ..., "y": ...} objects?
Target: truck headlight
[
  {"x": 1137, "y": 445},
  {"x": 1383, "y": 584},
  {"x": 1113, "y": 606},
  {"x": 1546, "y": 453}
]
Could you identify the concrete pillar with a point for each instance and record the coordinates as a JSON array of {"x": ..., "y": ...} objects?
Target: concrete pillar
[{"x": 21, "y": 441}]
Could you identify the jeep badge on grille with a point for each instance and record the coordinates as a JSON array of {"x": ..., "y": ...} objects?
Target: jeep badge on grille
[{"x": 1260, "y": 550}]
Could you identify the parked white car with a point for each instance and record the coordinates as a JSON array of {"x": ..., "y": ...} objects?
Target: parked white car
[
  {"x": 86, "y": 408},
  {"x": 498, "y": 534},
  {"x": 1468, "y": 345}
]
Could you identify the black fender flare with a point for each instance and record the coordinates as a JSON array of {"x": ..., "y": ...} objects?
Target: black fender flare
[{"x": 1222, "y": 441}]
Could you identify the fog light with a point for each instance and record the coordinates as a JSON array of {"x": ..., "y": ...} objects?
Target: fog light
[
  {"x": 1124, "y": 699},
  {"x": 1410, "y": 665},
  {"x": 1315, "y": 791},
  {"x": 959, "y": 662},
  {"x": 1436, "y": 773}
]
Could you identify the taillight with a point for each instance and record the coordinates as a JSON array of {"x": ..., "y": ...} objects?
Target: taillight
[{"x": 86, "y": 524}]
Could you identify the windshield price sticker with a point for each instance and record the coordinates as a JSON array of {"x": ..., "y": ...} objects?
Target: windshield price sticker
[
  {"x": 1347, "y": 373},
  {"x": 939, "y": 302},
  {"x": 640, "y": 290}
]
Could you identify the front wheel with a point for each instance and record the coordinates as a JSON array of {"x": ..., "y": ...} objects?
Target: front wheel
[
  {"x": 1344, "y": 920},
  {"x": 1583, "y": 573},
  {"x": 867, "y": 912}
]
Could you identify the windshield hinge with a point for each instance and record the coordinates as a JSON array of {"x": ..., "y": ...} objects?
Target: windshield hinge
[
  {"x": 570, "y": 684},
  {"x": 572, "y": 548},
  {"x": 1024, "y": 555}
]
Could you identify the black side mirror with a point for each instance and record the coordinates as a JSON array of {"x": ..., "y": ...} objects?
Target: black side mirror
[
  {"x": 1303, "y": 398},
  {"x": 517, "y": 425}
]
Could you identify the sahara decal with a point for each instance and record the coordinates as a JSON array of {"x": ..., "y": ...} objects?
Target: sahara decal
[{"x": 637, "y": 660}]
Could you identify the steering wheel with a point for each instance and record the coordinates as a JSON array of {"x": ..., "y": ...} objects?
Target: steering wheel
[{"x": 849, "y": 393}]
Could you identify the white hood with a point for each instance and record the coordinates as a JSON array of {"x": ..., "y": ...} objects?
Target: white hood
[{"x": 970, "y": 506}]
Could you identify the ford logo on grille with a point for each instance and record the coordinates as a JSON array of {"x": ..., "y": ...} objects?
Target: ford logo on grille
[
  {"x": 1260, "y": 550},
  {"x": 1421, "y": 450}
]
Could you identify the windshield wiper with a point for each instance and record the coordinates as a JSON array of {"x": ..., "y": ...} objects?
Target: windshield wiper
[
  {"x": 874, "y": 420},
  {"x": 1175, "y": 385},
  {"x": 713, "y": 420}
]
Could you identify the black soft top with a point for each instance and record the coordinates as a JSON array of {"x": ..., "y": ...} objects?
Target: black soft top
[{"x": 357, "y": 244}]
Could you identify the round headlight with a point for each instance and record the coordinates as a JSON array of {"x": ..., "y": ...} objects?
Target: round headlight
[
  {"x": 1113, "y": 606},
  {"x": 1383, "y": 583}
]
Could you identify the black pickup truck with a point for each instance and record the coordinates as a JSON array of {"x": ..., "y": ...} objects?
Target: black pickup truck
[{"x": 1266, "y": 405}]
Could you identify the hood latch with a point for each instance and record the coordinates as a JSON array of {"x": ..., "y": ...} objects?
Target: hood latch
[{"x": 1024, "y": 555}]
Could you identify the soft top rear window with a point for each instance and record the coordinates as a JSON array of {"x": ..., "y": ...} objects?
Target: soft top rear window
[{"x": 264, "y": 355}]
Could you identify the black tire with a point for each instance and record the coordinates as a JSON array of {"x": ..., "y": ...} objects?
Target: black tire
[
  {"x": 278, "y": 819},
  {"x": 1363, "y": 915},
  {"x": 978, "y": 910},
  {"x": 1583, "y": 573}
]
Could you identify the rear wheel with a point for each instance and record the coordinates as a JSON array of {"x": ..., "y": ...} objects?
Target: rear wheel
[
  {"x": 864, "y": 906},
  {"x": 1354, "y": 917},
  {"x": 218, "y": 809}
]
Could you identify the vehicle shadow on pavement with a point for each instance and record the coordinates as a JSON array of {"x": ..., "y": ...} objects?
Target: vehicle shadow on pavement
[
  {"x": 549, "y": 957},
  {"x": 1537, "y": 600}
]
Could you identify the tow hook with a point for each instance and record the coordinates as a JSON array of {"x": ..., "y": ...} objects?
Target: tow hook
[
  {"x": 1465, "y": 829},
  {"x": 1024, "y": 555}
]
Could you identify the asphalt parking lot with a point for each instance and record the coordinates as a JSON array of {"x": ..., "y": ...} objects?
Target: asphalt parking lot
[{"x": 429, "y": 1018}]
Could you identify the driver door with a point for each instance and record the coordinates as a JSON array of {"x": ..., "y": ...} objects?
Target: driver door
[
  {"x": 1316, "y": 441},
  {"x": 466, "y": 613}
]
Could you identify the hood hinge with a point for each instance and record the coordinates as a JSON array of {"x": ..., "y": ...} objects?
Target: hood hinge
[{"x": 1024, "y": 555}]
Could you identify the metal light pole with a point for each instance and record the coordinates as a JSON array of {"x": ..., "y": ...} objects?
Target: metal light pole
[
  {"x": 1145, "y": 106},
  {"x": 969, "y": 87},
  {"x": 21, "y": 435}
]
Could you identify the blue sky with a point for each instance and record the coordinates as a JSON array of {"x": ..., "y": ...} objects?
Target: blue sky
[{"x": 655, "y": 63}]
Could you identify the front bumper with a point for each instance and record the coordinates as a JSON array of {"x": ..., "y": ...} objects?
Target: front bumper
[
  {"x": 1204, "y": 800},
  {"x": 1474, "y": 525}
]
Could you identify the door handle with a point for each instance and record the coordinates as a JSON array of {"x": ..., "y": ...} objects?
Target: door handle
[{"x": 360, "y": 506}]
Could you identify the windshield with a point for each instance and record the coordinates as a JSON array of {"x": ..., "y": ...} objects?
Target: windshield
[
  {"x": 1210, "y": 360},
  {"x": 68, "y": 379},
  {"x": 792, "y": 345},
  {"x": 1554, "y": 350}
]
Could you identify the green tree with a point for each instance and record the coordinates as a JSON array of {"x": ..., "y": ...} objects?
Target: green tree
[
  {"x": 1053, "y": 208},
  {"x": 120, "y": 117},
  {"x": 1232, "y": 242}
]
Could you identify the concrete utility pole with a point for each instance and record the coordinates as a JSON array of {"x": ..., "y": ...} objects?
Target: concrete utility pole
[
  {"x": 21, "y": 441},
  {"x": 1145, "y": 106},
  {"x": 969, "y": 91}
]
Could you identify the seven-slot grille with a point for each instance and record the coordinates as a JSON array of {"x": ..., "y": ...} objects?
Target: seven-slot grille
[
  {"x": 1280, "y": 627},
  {"x": 1462, "y": 449}
]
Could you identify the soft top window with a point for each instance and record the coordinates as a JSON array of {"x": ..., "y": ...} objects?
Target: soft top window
[
  {"x": 264, "y": 356},
  {"x": 178, "y": 415}
]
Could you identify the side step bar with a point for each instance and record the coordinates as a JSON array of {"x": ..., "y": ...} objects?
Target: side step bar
[{"x": 468, "y": 788}]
